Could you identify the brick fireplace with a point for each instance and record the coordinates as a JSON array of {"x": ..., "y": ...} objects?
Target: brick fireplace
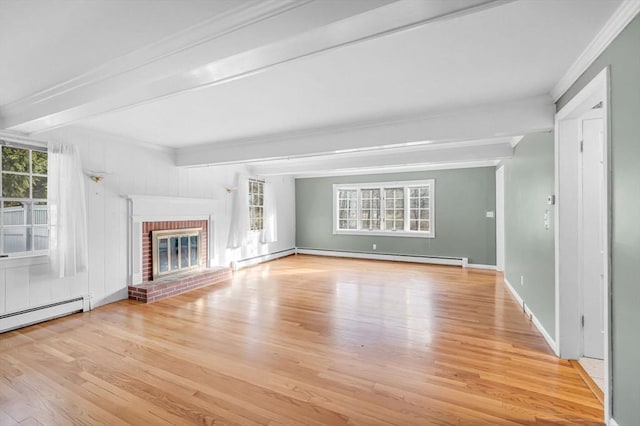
[
  {"x": 153, "y": 216},
  {"x": 148, "y": 227}
]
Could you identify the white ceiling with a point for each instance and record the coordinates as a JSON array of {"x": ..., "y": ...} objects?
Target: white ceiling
[
  {"x": 509, "y": 52},
  {"x": 118, "y": 66},
  {"x": 51, "y": 41}
]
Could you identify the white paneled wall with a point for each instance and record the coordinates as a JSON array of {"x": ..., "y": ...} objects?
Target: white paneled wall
[{"x": 129, "y": 168}]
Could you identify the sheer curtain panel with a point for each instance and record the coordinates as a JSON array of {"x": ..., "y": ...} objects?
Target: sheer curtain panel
[
  {"x": 68, "y": 252},
  {"x": 269, "y": 232},
  {"x": 240, "y": 213}
]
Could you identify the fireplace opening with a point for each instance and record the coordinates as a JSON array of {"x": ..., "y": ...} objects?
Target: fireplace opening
[{"x": 176, "y": 250}]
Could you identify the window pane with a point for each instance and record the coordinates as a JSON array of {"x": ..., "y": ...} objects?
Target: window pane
[
  {"x": 424, "y": 225},
  {"x": 424, "y": 214},
  {"x": 40, "y": 212},
  {"x": 163, "y": 255},
  {"x": 40, "y": 238},
  {"x": 194, "y": 250},
  {"x": 17, "y": 239},
  {"x": 413, "y": 225},
  {"x": 353, "y": 224},
  {"x": 14, "y": 213},
  {"x": 39, "y": 162},
  {"x": 413, "y": 192},
  {"x": 15, "y": 159},
  {"x": 184, "y": 252},
  {"x": 173, "y": 247},
  {"x": 39, "y": 187},
  {"x": 15, "y": 186},
  {"x": 424, "y": 191},
  {"x": 424, "y": 202}
]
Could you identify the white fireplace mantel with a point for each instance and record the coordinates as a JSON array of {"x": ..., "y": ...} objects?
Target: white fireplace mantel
[{"x": 150, "y": 208}]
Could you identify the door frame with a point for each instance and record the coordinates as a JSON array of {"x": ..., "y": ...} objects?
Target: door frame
[
  {"x": 568, "y": 227},
  {"x": 500, "y": 226}
]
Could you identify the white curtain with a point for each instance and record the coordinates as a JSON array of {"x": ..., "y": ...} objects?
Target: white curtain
[
  {"x": 240, "y": 213},
  {"x": 68, "y": 253},
  {"x": 269, "y": 232}
]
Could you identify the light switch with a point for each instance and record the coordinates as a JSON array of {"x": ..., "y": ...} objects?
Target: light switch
[
  {"x": 551, "y": 199},
  {"x": 491, "y": 214}
]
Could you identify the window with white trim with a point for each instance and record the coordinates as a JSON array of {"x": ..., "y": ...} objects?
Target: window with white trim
[
  {"x": 24, "y": 215},
  {"x": 385, "y": 208},
  {"x": 256, "y": 205}
]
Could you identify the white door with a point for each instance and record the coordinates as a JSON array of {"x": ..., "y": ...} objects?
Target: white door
[{"x": 592, "y": 211}]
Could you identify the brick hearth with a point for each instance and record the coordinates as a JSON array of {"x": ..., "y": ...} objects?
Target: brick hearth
[{"x": 152, "y": 291}]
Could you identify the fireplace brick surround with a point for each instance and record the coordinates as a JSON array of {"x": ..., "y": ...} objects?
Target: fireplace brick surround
[
  {"x": 150, "y": 290},
  {"x": 147, "y": 227}
]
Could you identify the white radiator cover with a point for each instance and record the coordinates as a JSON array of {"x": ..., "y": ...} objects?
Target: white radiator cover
[{"x": 12, "y": 321}]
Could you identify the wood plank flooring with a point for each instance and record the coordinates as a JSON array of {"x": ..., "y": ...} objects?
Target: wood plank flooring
[{"x": 301, "y": 340}]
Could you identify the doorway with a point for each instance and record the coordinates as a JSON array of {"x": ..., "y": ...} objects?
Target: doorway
[{"x": 582, "y": 232}]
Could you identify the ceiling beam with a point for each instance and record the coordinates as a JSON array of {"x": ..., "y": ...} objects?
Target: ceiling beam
[
  {"x": 476, "y": 152},
  {"x": 486, "y": 121},
  {"x": 252, "y": 38}
]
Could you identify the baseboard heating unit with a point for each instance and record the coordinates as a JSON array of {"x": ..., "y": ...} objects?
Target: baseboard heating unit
[
  {"x": 438, "y": 260},
  {"x": 14, "y": 320}
]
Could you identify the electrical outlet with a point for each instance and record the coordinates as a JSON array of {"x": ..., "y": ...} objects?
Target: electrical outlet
[
  {"x": 521, "y": 279},
  {"x": 374, "y": 246}
]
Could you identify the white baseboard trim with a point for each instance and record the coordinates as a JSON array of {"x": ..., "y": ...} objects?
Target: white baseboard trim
[
  {"x": 534, "y": 319},
  {"x": 32, "y": 316},
  {"x": 613, "y": 422},
  {"x": 455, "y": 261},
  {"x": 262, "y": 258},
  {"x": 481, "y": 266}
]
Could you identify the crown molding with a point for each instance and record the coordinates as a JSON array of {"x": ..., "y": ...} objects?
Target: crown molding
[{"x": 614, "y": 26}]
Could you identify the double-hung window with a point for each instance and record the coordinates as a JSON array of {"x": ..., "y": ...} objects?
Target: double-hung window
[
  {"x": 256, "y": 205},
  {"x": 24, "y": 218},
  {"x": 385, "y": 208}
]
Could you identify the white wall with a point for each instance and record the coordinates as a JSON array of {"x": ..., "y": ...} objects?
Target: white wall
[{"x": 129, "y": 168}]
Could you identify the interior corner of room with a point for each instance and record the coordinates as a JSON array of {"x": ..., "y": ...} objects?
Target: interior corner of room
[{"x": 217, "y": 136}]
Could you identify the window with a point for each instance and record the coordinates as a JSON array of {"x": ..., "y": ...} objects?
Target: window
[
  {"x": 24, "y": 218},
  {"x": 256, "y": 205},
  {"x": 348, "y": 209},
  {"x": 385, "y": 208}
]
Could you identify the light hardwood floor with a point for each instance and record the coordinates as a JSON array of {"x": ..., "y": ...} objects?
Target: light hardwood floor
[{"x": 301, "y": 340}]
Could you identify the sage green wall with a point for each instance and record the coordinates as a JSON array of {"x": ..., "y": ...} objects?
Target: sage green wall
[
  {"x": 529, "y": 247},
  {"x": 623, "y": 58},
  {"x": 463, "y": 196}
]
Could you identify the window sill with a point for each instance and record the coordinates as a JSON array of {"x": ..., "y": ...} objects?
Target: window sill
[
  {"x": 387, "y": 233},
  {"x": 19, "y": 260}
]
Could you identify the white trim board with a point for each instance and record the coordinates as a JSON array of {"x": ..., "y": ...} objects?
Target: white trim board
[
  {"x": 534, "y": 319},
  {"x": 244, "y": 263},
  {"x": 437, "y": 260},
  {"x": 481, "y": 266},
  {"x": 612, "y": 422},
  {"x": 614, "y": 26}
]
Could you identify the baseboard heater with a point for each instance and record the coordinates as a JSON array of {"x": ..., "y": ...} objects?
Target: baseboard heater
[
  {"x": 438, "y": 260},
  {"x": 250, "y": 261},
  {"x": 38, "y": 314}
]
